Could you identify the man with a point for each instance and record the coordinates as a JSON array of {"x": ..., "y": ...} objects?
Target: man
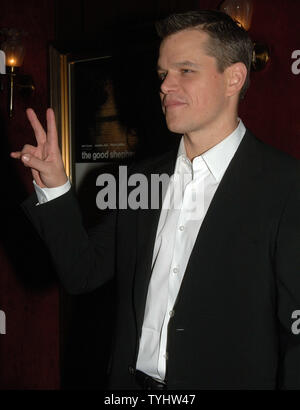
[{"x": 208, "y": 292}]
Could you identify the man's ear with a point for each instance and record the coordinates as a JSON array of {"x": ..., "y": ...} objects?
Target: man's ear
[{"x": 236, "y": 77}]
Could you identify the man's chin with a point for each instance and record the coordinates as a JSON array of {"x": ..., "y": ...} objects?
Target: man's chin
[{"x": 176, "y": 128}]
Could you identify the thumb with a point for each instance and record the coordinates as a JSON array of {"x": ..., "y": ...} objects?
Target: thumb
[{"x": 33, "y": 162}]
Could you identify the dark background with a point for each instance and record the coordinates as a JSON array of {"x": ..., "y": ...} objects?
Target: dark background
[{"x": 53, "y": 341}]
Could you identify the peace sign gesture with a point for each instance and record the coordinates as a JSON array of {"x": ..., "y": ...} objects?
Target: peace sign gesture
[{"x": 45, "y": 159}]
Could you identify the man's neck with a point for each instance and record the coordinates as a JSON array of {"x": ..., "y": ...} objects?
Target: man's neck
[{"x": 201, "y": 141}]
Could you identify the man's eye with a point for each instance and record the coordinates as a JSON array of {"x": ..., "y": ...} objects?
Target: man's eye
[
  {"x": 186, "y": 71},
  {"x": 162, "y": 76}
]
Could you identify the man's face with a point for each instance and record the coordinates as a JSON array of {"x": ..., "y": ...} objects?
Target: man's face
[{"x": 193, "y": 91}]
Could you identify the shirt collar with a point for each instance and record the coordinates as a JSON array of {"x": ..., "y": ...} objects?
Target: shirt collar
[{"x": 218, "y": 157}]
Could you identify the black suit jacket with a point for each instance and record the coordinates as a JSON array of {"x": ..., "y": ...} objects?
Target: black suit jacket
[{"x": 232, "y": 327}]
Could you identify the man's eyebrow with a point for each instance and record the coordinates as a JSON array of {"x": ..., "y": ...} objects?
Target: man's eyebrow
[
  {"x": 159, "y": 68},
  {"x": 185, "y": 63}
]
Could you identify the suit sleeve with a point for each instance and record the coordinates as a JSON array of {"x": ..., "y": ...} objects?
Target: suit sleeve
[
  {"x": 288, "y": 292},
  {"x": 83, "y": 260}
]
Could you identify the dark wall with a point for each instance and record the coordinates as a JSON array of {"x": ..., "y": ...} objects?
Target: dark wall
[
  {"x": 92, "y": 21},
  {"x": 29, "y": 351},
  {"x": 271, "y": 108}
]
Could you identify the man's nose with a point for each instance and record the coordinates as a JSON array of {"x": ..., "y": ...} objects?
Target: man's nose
[{"x": 169, "y": 84}]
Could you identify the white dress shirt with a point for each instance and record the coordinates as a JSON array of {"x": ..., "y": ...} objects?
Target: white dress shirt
[
  {"x": 186, "y": 202},
  {"x": 47, "y": 194}
]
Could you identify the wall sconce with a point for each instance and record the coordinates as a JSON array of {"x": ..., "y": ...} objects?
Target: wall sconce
[
  {"x": 14, "y": 55},
  {"x": 241, "y": 11}
]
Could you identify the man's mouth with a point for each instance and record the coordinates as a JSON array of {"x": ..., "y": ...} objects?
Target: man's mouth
[{"x": 173, "y": 104}]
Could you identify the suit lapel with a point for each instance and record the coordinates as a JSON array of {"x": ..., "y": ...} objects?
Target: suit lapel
[{"x": 230, "y": 202}]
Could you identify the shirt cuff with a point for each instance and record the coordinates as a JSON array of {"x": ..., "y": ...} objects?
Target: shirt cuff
[{"x": 47, "y": 194}]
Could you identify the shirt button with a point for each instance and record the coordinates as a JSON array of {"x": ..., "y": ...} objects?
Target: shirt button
[
  {"x": 171, "y": 313},
  {"x": 181, "y": 228},
  {"x": 175, "y": 270},
  {"x": 166, "y": 356}
]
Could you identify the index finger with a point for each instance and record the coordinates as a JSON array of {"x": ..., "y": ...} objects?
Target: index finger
[{"x": 39, "y": 131}]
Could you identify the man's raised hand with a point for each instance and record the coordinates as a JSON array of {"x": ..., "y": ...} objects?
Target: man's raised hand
[{"x": 45, "y": 159}]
